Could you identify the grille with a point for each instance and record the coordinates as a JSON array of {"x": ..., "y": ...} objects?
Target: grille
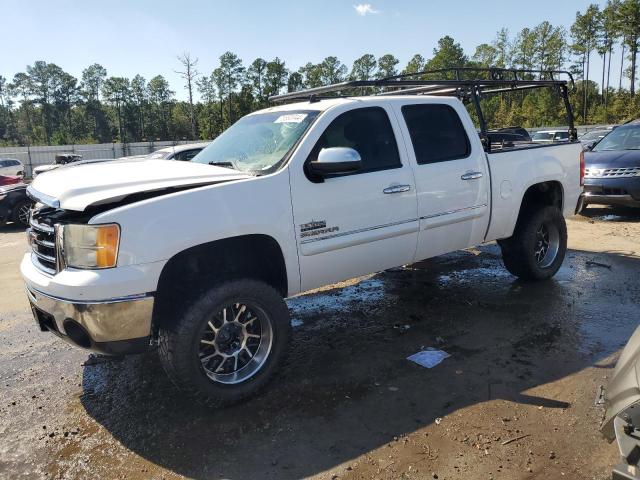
[
  {"x": 43, "y": 246},
  {"x": 612, "y": 172}
]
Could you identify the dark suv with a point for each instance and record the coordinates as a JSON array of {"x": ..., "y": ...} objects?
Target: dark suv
[{"x": 612, "y": 173}]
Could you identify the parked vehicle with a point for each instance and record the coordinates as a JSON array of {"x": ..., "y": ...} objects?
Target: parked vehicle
[
  {"x": 505, "y": 139},
  {"x": 592, "y": 137},
  {"x": 11, "y": 166},
  {"x": 197, "y": 256},
  {"x": 9, "y": 179},
  {"x": 550, "y": 136},
  {"x": 15, "y": 205},
  {"x": 612, "y": 174},
  {"x": 183, "y": 153},
  {"x": 515, "y": 130},
  {"x": 60, "y": 159},
  {"x": 622, "y": 418}
]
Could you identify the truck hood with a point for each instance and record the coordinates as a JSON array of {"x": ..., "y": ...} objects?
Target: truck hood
[{"x": 76, "y": 187}]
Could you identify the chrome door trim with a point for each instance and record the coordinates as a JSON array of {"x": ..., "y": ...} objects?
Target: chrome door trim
[{"x": 449, "y": 212}]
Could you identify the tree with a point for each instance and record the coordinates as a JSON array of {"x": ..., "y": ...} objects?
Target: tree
[
  {"x": 207, "y": 89},
  {"x": 189, "y": 74},
  {"x": 363, "y": 68},
  {"x": 524, "y": 49},
  {"x": 276, "y": 76},
  {"x": 550, "y": 44},
  {"x": 415, "y": 65},
  {"x": 116, "y": 90},
  {"x": 312, "y": 74},
  {"x": 161, "y": 96},
  {"x": 295, "y": 82},
  {"x": 387, "y": 66},
  {"x": 629, "y": 14},
  {"x": 610, "y": 34},
  {"x": 255, "y": 76},
  {"x": 485, "y": 55},
  {"x": 585, "y": 31},
  {"x": 232, "y": 70},
  {"x": 448, "y": 54},
  {"x": 93, "y": 78},
  {"x": 140, "y": 96},
  {"x": 502, "y": 44}
]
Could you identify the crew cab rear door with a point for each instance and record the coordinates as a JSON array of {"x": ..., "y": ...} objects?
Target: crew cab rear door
[
  {"x": 451, "y": 172},
  {"x": 361, "y": 222}
]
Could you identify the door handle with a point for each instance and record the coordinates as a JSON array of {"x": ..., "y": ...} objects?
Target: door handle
[
  {"x": 397, "y": 189},
  {"x": 471, "y": 175}
]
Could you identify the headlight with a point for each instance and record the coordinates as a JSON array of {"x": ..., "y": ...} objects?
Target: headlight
[{"x": 90, "y": 246}]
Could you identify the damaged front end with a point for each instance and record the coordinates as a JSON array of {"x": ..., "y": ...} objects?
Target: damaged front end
[{"x": 622, "y": 417}]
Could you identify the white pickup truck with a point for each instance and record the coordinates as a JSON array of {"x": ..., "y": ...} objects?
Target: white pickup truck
[{"x": 197, "y": 257}]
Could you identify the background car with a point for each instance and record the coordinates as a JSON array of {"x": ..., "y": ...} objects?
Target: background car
[
  {"x": 548, "y": 136},
  {"x": 11, "y": 166},
  {"x": 593, "y": 136},
  {"x": 60, "y": 159},
  {"x": 183, "y": 153},
  {"x": 9, "y": 179},
  {"x": 521, "y": 131},
  {"x": 612, "y": 168},
  {"x": 15, "y": 205}
]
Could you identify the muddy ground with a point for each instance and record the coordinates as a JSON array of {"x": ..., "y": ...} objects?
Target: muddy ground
[{"x": 526, "y": 360}]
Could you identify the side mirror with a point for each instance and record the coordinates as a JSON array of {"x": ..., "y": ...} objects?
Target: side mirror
[{"x": 336, "y": 160}]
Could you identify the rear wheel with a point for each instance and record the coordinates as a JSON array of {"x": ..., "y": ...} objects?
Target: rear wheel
[
  {"x": 538, "y": 245},
  {"x": 228, "y": 343}
]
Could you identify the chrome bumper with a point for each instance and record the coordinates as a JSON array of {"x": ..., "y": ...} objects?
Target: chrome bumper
[{"x": 113, "y": 326}]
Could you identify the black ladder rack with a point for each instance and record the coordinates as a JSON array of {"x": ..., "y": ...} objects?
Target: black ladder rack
[{"x": 466, "y": 83}]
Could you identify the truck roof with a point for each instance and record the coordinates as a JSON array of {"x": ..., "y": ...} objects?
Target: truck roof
[{"x": 326, "y": 103}]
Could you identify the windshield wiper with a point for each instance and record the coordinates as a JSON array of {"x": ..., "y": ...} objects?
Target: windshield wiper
[{"x": 223, "y": 164}]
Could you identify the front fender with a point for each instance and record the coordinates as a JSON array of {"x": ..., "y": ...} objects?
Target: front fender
[{"x": 158, "y": 228}]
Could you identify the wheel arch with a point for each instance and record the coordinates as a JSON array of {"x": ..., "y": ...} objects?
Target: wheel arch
[
  {"x": 548, "y": 193},
  {"x": 194, "y": 270}
]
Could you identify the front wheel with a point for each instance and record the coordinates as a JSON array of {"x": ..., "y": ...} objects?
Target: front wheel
[
  {"x": 538, "y": 245},
  {"x": 228, "y": 343}
]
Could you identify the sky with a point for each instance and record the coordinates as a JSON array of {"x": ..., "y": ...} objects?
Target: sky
[{"x": 145, "y": 36}]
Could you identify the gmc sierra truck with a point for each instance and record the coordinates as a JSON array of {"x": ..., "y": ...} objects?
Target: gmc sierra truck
[{"x": 196, "y": 258}]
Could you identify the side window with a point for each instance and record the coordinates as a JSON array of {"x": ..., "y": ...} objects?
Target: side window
[
  {"x": 436, "y": 133},
  {"x": 14, "y": 163},
  {"x": 562, "y": 135},
  {"x": 3, "y": 163},
  {"x": 366, "y": 130}
]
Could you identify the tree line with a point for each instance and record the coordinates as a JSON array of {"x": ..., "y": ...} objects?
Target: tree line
[{"x": 46, "y": 105}]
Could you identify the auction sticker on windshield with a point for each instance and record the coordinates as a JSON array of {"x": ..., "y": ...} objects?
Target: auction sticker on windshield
[{"x": 291, "y": 118}]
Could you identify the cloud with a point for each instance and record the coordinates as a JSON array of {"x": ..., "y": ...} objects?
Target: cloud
[{"x": 363, "y": 9}]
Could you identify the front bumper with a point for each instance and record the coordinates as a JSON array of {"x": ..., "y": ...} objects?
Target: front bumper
[
  {"x": 612, "y": 191},
  {"x": 115, "y": 326}
]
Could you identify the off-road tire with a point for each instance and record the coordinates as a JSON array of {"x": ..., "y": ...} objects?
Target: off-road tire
[
  {"x": 518, "y": 251},
  {"x": 179, "y": 342}
]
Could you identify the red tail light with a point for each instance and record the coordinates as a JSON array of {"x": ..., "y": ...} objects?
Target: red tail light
[{"x": 582, "y": 169}]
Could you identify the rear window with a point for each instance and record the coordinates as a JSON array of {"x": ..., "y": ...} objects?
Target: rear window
[{"x": 436, "y": 133}]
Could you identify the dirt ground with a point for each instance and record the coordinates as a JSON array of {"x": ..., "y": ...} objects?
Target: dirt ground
[{"x": 526, "y": 360}]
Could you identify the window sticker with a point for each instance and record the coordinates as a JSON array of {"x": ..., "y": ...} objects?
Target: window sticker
[{"x": 291, "y": 118}]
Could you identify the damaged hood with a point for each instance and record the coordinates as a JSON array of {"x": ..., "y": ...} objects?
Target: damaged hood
[{"x": 79, "y": 186}]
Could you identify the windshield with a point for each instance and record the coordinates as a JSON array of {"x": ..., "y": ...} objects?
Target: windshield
[
  {"x": 543, "y": 136},
  {"x": 258, "y": 143},
  {"x": 622, "y": 138}
]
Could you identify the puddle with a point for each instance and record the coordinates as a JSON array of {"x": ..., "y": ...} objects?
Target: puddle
[{"x": 367, "y": 291}]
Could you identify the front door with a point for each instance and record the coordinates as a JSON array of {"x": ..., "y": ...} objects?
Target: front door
[{"x": 357, "y": 223}]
